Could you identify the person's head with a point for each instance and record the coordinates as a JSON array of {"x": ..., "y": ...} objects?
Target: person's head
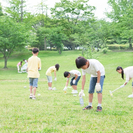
[
  {"x": 81, "y": 62},
  {"x": 57, "y": 67},
  {"x": 23, "y": 59},
  {"x": 66, "y": 74},
  {"x": 119, "y": 69},
  {"x": 35, "y": 50},
  {"x": 21, "y": 62}
]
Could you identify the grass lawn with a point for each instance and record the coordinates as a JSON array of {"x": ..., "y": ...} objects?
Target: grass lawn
[{"x": 56, "y": 112}]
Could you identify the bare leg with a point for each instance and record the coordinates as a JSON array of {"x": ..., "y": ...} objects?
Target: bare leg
[
  {"x": 99, "y": 96},
  {"x": 30, "y": 89},
  {"x": 34, "y": 92},
  {"x": 74, "y": 87},
  {"x": 50, "y": 84},
  {"x": 90, "y": 97}
]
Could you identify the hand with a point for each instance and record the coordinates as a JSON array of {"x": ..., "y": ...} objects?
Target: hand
[
  {"x": 98, "y": 87},
  {"x": 65, "y": 88},
  {"x": 81, "y": 93},
  {"x": 55, "y": 79},
  {"x": 74, "y": 81}
]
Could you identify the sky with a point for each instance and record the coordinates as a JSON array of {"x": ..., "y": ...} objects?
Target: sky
[{"x": 101, "y": 5}]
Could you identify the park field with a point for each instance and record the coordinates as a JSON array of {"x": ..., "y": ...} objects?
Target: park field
[{"x": 57, "y": 112}]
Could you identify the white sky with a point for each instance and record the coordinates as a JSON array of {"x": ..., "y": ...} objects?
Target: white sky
[{"x": 101, "y": 5}]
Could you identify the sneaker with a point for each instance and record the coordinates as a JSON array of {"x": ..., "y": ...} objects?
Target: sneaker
[
  {"x": 30, "y": 96},
  {"x": 34, "y": 97},
  {"x": 130, "y": 96},
  {"x": 99, "y": 109},
  {"x": 50, "y": 88},
  {"x": 74, "y": 92},
  {"x": 88, "y": 107}
]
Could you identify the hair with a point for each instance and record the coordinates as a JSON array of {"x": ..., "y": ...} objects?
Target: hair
[
  {"x": 35, "y": 50},
  {"x": 57, "y": 66},
  {"x": 66, "y": 74},
  {"x": 80, "y": 61},
  {"x": 122, "y": 73}
]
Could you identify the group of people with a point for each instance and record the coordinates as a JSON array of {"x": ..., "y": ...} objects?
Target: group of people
[{"x": 88, "y": 66}]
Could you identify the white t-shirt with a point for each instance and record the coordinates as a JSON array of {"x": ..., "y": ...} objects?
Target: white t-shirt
[
  {"x": 94, "y": 67},
  {"x": 128, "y": 73},
  {"x": 73, "y": 72}
]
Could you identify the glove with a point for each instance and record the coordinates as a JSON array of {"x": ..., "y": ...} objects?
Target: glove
[
  {"x": 55, "y": 79},
  {"x": 81, "y": 93},
  {"x": 74, "y": 81},
  {"x": 65, "y": 88},
  {"x": 98, "y": 87}
]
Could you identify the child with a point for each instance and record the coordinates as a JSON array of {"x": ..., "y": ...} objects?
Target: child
[
  {"x": 49, "y": 75},
  {"x": 25, "y": 60},
  {"x": 34, "y": 63},
  {"x": 128, "y": 73},
  {"x": 19, "y": 65},
  {"x": 96, "y": 69},
  {"x": 75, "y": 76}
]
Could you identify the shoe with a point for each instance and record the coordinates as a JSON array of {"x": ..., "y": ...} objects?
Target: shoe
[
  {"x": 130, "y": 96},
  {"x": 50, "y": 88},
  {"x": 30, "y": 96},
  {"x": 88, "y": 107},
  {"x": 99, "y": 109},
  {"x": 74, "y": 92},
  {"x": 34, "y": 98}
]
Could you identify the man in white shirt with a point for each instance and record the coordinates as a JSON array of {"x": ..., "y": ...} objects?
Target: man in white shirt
[{"x": 97, "y": 72}]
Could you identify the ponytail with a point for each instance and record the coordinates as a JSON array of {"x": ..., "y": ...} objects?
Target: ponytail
[{"x": 122, "y": 72}]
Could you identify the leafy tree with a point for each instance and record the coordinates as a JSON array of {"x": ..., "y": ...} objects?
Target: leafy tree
[
  {"x": 122, "y": 14},
  {"x": 70, "y": 13},
  {"x": 1, "y": 12},
  {"x": 12, "y": 36},
  {"x": 16, "y": 9}
]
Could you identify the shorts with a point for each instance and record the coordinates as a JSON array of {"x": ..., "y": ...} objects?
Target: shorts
[
  {"x": 78, "y": 78},
  {"x": 33, "y": 82},
  {"x": 49, "y": 78},
  {"x": 93, "y": 81}
]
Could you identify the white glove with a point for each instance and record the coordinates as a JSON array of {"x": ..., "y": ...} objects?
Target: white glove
[
  {"x": 74, "y": 81},
  {"x": 55, "y": 79},
  {"x": 65, "y": 88},
  {"x": 98, "y": 87},
  {"x": 81, "y": 93}
]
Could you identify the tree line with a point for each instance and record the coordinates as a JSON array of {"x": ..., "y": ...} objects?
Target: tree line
[{"x": 71, "y": 24}]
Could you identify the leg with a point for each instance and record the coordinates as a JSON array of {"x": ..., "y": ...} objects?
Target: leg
[
  {"x": 50, "y": 84},
  {"x": 99, "y": 96},
  {"x": 74, "y": 87},
  {"x": 30, "y": 89},
  {"x": 34, "y": 91},
  {"x": 90, "y": 97}
]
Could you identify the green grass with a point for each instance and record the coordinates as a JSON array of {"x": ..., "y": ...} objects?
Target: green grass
[{"x": 56, "y": 112}]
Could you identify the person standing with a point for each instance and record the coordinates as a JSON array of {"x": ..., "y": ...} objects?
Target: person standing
[{"x": 34, "y": 64}]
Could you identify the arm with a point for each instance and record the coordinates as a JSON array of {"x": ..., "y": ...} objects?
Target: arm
[
  {"x": 67, "y": 82},
  {"x": 83, "y": 82},
  {"x": 98, "y": 76},
  {"x": 76, "y": 76},
  {"x": 55, "y": 73}
]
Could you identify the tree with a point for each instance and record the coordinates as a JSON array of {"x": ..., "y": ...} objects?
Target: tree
[
  {"x": 1, "y": 12},
  {"x": 12, "y": 36},
  {"x": 70, "y": 14},
  {"x": 16, "y": 9},
  {"x": 122, "y": 15}
]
